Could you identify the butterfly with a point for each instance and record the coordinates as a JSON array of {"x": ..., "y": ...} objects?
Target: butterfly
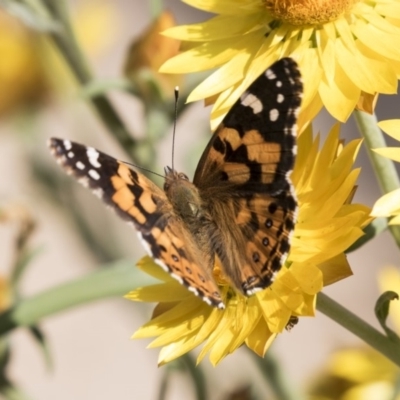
[{"x": 241, "y": 206}]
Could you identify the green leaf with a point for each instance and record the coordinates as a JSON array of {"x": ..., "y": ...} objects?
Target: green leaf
[
  {"x": 111, "y": 280},
  {"x": 102, "y": 86},
  {"x": 382, "y": 311},
  {"x": 25, "y": 258},
  {"x": 40, "y": 338},
  {"x": 184, "y": 364},
  {"x": 375, "y": 228},
  {"x": 12, "y": 392},
  {"x": 31, "y": 13}
]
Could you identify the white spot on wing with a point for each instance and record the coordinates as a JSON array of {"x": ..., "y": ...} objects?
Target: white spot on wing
[
  {"x": 93, "y": 156},
  {"x": 253, "y": 290},
  {"x": 80, "y": 165},
  {"x": 94, "y": 174},
  {"x": 147, "y": 247},
  {"x": 207, "y": 300},
  {"x": 177, "y": 277},
  {"x": 67, "y": 144},
  {"x": 193, "y": 290},
  {"x": 280, "y": 98},
  {"x": 98, "y": 192},
  {"x": 84, "y": 180},
  {"x": 249, "y": 100},
  {"x": 278, "y": 83},
  {"x": 162, "y": 265},
  {"x": 270, "y": 74},
  {"x": 71, "y": 154},
  {"x": 273, "y": 114}
]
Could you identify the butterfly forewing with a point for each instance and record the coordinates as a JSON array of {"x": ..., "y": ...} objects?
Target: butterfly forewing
[
  {"x": 246, "y": 168},
  {"x": 139, "y": 201}
]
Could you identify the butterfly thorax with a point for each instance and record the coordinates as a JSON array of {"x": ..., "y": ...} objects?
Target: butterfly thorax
[{"x": 183, "y": 195}]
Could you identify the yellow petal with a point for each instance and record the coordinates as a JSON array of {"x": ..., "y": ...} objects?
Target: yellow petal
[
  {"x": 260, "y": 338},
  {"x": 225, "y": 6},
  {"x": 365, "y": 31},
  {"x": 309, "y": 277},
  {"x": 387, "y": 205},
  {"x": 390, "y": 152},
  {"x": 341, "y": 96},
  {"x": 367, "y": 102},
  {"x": 335, "y": 269},
  {"x": 163, "y": 292},
  {"x": 235, "y": 25},
  {"x": 391, "y": 127}
]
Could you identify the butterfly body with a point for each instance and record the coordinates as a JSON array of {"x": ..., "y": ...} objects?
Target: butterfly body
[{"x": 240, "y": 207}]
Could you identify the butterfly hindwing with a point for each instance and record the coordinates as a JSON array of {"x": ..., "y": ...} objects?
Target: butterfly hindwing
[
  {"x": 246, "y": 170},
  {"x": 140, "y": 202}
]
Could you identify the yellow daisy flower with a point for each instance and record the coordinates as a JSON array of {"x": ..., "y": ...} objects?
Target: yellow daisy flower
[
  {"x": 347, "y": 50},
  {"x": 389, "y": 204},
  {"x": 327, "y": 225}
]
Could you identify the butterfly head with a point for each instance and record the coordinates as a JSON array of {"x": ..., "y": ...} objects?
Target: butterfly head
[{"x": 182, "y": 193}]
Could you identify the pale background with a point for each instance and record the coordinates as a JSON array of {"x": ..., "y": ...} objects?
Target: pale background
[{"x": 93, "y": 355}]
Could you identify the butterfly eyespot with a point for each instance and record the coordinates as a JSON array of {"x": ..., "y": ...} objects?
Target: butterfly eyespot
[
  {"x": 265, "y": 241},
  {"x": 188, "y": 270},
  {"x": 256, "y": 257},
  {"x": 268, "y": 222},
  {"x": 175, "y": 258},
  {"x": 201, "y": 277},
  {"x": 272, "y": 208},
  {"x": 216, "y": 294},
  {"x": 289, "y": 224}
]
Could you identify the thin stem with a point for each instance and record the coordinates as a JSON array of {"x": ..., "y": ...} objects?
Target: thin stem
[
  {"x": 384, "y": 168},
  {"x": 197, "y": 375},
  {"x": 360, "y": 328},
  {"x": 113, "y": 280},
  {"x": 69, "y": 48},
  {"x": 275, "y": 377}
]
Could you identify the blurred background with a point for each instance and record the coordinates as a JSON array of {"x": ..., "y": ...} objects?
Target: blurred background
[{"x": 92, "y": 356}]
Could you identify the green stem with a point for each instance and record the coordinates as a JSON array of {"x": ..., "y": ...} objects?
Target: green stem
[
  {"x": 277, "y": 378},
  {"x": 69, "y": 48},
  {"x": 360, "y": 328},
  {"x": 115, "y": 280},
  {"x": 156, "y": 7},
  {"x": 197, "y": 375},
  {"x": 385, "y": 170}
]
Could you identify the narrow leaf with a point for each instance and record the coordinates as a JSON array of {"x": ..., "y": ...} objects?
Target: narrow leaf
[
  {"x": 382, "y": 311},
  {"x": 31, "y": 13},
  {"x": 40, "y": 338}
]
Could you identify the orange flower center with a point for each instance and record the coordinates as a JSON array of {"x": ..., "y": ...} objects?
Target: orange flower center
[{"x": 308, "y": 12}]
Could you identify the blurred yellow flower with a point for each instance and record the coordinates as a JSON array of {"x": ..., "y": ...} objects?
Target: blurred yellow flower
[
  {"x": 389, "y": 204},
  {"x": 327, "y": 225},
  {"x": 149, "y": 52},
  {"x": 346, "y": 49},
  {"x": 30, "y": 67},
  {"x": 22, "y": 80},
  {"x": 5, "y": 294},
  {"x": 356, "y": 374}
]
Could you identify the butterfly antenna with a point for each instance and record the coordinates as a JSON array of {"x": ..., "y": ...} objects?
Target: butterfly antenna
[
  {"x": 143, "y": 169},
  {"x": 176, "y": 92}
]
